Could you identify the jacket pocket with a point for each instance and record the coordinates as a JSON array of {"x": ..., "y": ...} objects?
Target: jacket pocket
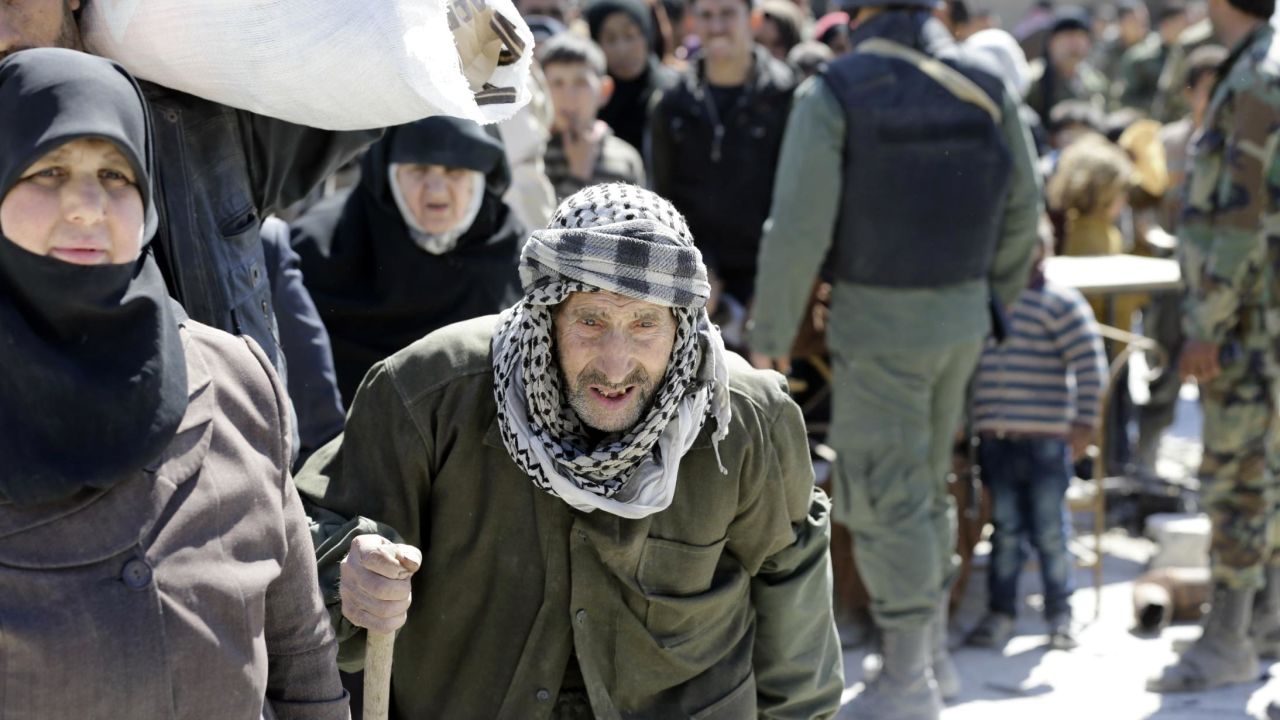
[
  {"x": 668, "y": 567},
  {"x": 248, "y": 285},
  {"x": 690, "y": 606},
  {"x": 739, "y": 703}
]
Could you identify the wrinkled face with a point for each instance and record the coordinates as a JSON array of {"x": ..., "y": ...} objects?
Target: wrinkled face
[
  {"x": 613, "y": 354},
  {"x": 724, "y": 27},
  {"x": 575, "y": 92},
  {"x": 79, "y": 203},
  {"x": 438, "y": 196},
  {"x": 1068, "y": 48},
  {"x": 626, "y": 51},
  {"x": 26, "y": 24}
]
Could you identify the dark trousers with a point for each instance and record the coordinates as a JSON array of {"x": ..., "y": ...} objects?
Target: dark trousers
[{"x": 1027, "y": 479}]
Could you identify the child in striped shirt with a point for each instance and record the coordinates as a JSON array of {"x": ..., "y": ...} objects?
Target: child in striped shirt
[{"x": 1036, "y": 409}]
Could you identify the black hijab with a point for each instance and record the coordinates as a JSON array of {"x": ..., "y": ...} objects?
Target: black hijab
[
  {"x": 94, "y": 380},
  {"x": 627, "y": 111},
  {"x": 376, "y": 289}
]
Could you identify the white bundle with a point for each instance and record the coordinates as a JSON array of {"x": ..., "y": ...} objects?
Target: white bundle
[{"x": 332, "y": 64}]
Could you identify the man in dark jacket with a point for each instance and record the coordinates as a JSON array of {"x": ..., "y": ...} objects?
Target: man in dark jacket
[
  {"x": 920, "y": 174},
  {"x": 714, "y": 139},
  {"x": 220, "y": 172}
]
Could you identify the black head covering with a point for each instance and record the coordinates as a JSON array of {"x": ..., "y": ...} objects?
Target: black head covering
[
  {"x": 94, "y": 383},
  {"x": 1071, "y": 18},
  {"x": 597, "y": 10},
  {"x": 376, "y": 289},
  {"x": 627, "y": 111}
]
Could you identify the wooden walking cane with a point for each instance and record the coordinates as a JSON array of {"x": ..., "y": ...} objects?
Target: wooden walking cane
[
  {"x": 379, "y": 646},
  {"x": 377, "y": 674}
]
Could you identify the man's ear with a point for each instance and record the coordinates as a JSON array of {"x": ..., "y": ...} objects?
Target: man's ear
[{"x": 606, "y": 90}]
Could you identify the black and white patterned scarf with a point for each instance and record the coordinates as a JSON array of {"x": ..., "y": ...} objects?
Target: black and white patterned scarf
[{"x": 627, "y": 240}]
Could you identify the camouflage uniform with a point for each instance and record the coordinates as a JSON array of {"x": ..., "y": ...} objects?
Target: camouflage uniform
[
  {"x": 1169, "y": 104},
  {"x": 1229, "y": 227}
]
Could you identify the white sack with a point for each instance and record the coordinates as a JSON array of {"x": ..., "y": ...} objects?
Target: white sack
[{"x": 332, "y": 64}]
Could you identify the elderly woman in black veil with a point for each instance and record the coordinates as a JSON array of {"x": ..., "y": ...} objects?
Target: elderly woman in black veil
[
  {"x": 423, "y": 241},
  {"x": 154, "y": 558}
]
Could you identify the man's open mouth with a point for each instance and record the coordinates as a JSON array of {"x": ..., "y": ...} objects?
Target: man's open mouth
[{"x": 612, "y": 395}]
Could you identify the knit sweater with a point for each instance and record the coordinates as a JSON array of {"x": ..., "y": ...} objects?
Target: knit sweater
[{"x": 1050, "y": 371}]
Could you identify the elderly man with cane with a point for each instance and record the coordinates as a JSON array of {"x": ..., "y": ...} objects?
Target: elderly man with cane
[{"x": 616, "y": 516}]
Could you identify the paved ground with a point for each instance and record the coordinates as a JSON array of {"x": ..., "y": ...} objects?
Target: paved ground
[{"x": 1104, "y": 678}]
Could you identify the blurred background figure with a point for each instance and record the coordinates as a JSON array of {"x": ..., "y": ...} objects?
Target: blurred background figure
[
  {"x": 624, "y": 31},
  {"x": 832, "y": 30},
  {"x": 423, "y": 241},
  {"x": 715, "y": 137},
  {"x": 779, "y": 27},
  {"x": 810, "y": 58},
  {"x": 1131, "y": 25},
  {"x": 1137, "y": 77},
  {"x": 583, "y": 149},
  {"x": 1063, "y": 71}
]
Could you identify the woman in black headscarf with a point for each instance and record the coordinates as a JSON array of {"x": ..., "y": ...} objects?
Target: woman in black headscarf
[
  {"x": 423, "y": 241},
  {"x": 154, "y": 558},
  {"x": 624, "y": 30}
]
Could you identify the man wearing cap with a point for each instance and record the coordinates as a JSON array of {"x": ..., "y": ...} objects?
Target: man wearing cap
[
  {"x": 616, "y": 517},
  {"x": 1064, "y": 73},
  {"x": 1229, "y": 255},
  {"x": 920, "y": 173}
]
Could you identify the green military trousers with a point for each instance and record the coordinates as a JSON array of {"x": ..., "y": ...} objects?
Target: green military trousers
[
  {"x": 1239, "y": 491},
  {"x": 894, "y": 418}
]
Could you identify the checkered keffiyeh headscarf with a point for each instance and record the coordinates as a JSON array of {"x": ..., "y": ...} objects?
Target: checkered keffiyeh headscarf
[{"x": 623, "y": 239}]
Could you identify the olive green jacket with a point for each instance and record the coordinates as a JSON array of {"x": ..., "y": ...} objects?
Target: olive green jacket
[
  {"x": 1137, "y": 79},
  {"x": 718, "y": 607}
]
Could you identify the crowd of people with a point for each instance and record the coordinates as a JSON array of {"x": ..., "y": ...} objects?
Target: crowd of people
[{"x": 520, "y": 374}]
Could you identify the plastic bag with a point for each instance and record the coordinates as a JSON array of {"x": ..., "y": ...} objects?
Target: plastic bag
[{"x": 331, "y": 64}]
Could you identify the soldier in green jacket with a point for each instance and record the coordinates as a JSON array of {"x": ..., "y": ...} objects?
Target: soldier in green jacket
[
  {"x": 923, "y": 232},
  {"x": 1229, "y": 222},
  {"x": 617, "y": 517}
]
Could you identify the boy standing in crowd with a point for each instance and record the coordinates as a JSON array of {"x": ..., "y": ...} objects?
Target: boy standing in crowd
[
  {"x": 1032, "y": 426},
  {"x": 583, "y": 149}
]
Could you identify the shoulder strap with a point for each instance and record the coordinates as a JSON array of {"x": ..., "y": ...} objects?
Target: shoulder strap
[{"x": 946, "y": 76}]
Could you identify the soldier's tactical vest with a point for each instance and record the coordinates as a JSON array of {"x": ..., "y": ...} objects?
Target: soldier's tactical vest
[{"x": 925, "y": 173}]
